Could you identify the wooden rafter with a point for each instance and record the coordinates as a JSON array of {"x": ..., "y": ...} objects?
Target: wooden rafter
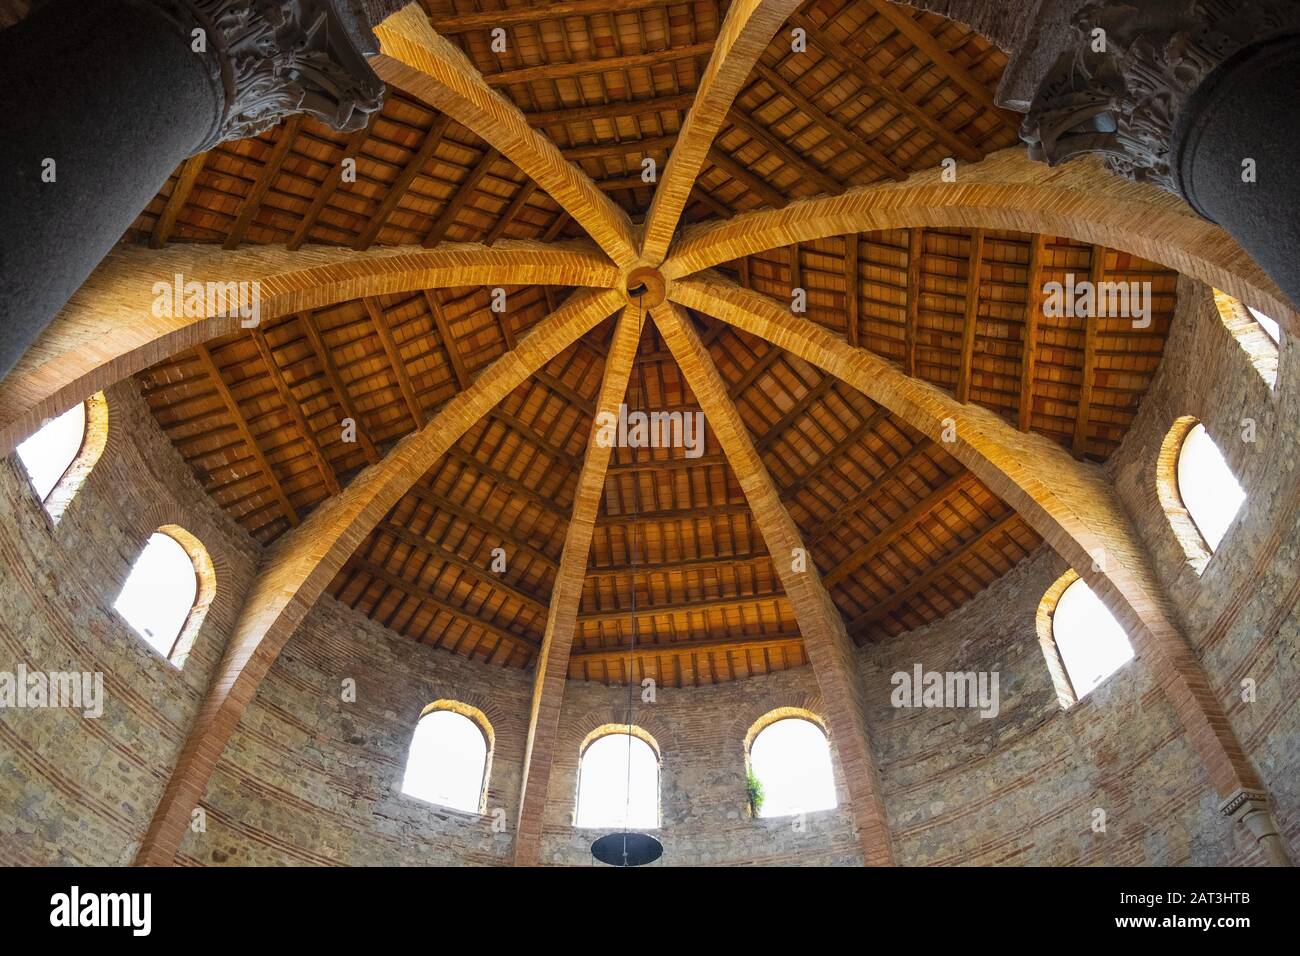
[
  {"x": 1096, "y": 275},
  {"x": 464, "y": 192},
  {"x": 787, "y": 153},
  {"x": 253, "y": 201},
  {"x": 296, "y": 415},
  {"x": 1029, "y": 335},
  {"x": 325, "y": 192},
  {"x": 180, "y": 195},
  {"x": 413, "y": 168},
  {"x": 868, "y": 493},
  {"x": 970, "y": 319},
  {"x": 487, "y": 20},
  {"x": 692, "y": 606},
  {"x": 476, "y": 519},
  {"x": 394, "y": 355},
  {"x": 852, "y": 321},
  {"x": 759, "y": 642}
]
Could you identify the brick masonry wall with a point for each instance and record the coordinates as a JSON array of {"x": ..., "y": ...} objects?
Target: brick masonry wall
[{"x": 75, "y": 790}]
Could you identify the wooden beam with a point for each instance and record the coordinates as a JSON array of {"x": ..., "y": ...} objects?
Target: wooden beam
[
  {"x": 796, "y": 276},
  {"x": 513, "y": 485},
  {"x": 422, "y": 595},
  {"x": 415, "y": 59},
  {"x": 858, "y": 67},
  {"x": 413, "y": 168},
  {"x": 684, "y": 564},
  {"x": 270, "y": 169},
  {"x": 1097, "y": 275},
  {"x": 765, "y": 190},
  {"x": 853, "y": 140},
  {"x": 447, "y": 556},
  {"x": 974, "y": 266},
  {"x": 1029, "y": 335},
  {"x": 826, "y": 643},
  {"x": 296, "y": 415},
  {"x": 641, "y": 147},
  {"x": 775, "y": 431},
  {"x": 552, "y": 668},
  {"x": 855, "y": 435},
  {"x": 701, "y": 605},
  {"x": 447, "y": 341},
  {"x": 933, "y": 575},
  {"x": 982, "y": 93},
  {"x": 605, "y": 111},
  {"x": 785, "y": 152},
  {"x": 852, "y": 287},
  {"x": 325, "y": 191},
  {"x": 759, "y": 642},
  {"x": 180, "y": 195},
  {"x": 746, "y": 30},
  {"x": 241, "y": 425},
  {"x": 395, "y": 360},
  {"x": 326, "y": 362},
  {"x": 670, "y": 515},
  {"x": 464, "y": 191},
  {"x": 521, "y": 197},
  {"x": 547, "y": 72},
  {"x": 915, "y": 254},
  {"x": 864, "y": 496},
  {"x": 303, "y": 563},
  {"x": 454, "y": 23},
  {"x": 475, "y": 519}
]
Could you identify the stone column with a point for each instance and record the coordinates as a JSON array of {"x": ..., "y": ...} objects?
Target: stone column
[
  {"x": 1196, "y": 96},
  {"x": 1252, "y": 810},
  {"x": 103, "y": 100}
]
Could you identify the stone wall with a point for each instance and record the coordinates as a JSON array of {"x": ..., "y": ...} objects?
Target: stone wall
[{"x": 75, "y": 790}]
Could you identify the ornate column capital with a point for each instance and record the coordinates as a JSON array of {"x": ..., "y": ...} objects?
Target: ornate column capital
[
  {"x": 1252, "y": 809},
  {"x": 1132, "y": 68},
  {"x": 275, "y": 58}
]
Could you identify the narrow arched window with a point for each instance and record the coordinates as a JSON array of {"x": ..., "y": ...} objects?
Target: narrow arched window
[
  {"x": 1270, "y": 326},
  {"x": 166, "y": 592},
  {"x": 448, "y": 760},
  {"x": 790, "y": 761},
  {"x": 618, "y": 783},
  {"x": 1209, "y": 489},
  {"x": 1259, "y": 336},
  {"x": 59, "y": 456},
  {"x": 1091, "y": 643}
]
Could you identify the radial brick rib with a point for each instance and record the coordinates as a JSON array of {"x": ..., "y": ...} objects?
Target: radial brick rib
[
  {"x": 415, "y": 59},
  {"x": 300, "y": 566},
  {"x": 566, "y": 594},
  {"x": 746, "y": 31},
  {"x": 1005, "y": 191},
  {"x": 109, "y": 330},
  {"x": 826, "y": 642},
  {"x": 1069, "y": 503}
]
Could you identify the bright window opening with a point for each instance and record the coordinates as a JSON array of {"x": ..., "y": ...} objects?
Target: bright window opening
[
  {"x": 49, "y": 452},
  {"x": 1270, "y": 326},
  {"x": 159, "y": 593},
  {"x": 792, "y": 760},
  {"x": 1090, "y": 641},
  {"x": 1210, "y": 491},
  {"x": 447, "y": 761},
  {"x": 618, "y": 784}
]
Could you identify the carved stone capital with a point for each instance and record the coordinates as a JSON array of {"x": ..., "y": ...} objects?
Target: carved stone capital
[
  {"x": 1251, "y": 808},
  {"x": 1132, "y": 68},
  {"x": 274, "y": 58}
]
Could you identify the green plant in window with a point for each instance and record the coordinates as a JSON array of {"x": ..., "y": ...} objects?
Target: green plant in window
[{"x": 754, "y": 791}]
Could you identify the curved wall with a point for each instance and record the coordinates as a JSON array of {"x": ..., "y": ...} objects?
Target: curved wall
[{"x": 312, "y": 778}]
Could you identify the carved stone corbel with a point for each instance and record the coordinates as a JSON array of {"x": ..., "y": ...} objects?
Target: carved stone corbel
[
  {"x": 274, "y": 58},
  {"x": 1251, "y": 808},
  {"x": 1133, "y": 68}
]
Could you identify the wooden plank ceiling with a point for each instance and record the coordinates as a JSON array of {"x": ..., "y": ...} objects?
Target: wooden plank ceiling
[{"x": 902, "y": 533}]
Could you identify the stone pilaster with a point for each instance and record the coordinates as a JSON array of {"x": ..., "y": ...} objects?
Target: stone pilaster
[{"x": 1251, "y": 808}]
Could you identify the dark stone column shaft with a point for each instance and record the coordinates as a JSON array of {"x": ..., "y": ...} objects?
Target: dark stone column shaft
[
  {"x": 1247, "y": 111},
  {"x": 111, "y": 93}
]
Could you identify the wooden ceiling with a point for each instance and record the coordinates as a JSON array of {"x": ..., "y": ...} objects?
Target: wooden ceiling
[{"x": 901, "y": 532}]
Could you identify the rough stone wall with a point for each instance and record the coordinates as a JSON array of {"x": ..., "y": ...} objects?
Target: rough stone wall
[
  {"x": 701, "y": 735},
  {"x": 309, "y": 779},
  {"x": 1240, "y": 614},
  {"x": 75, "y": 790}
]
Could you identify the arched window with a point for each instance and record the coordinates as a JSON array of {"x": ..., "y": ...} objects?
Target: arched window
[
  {"x": 1209, "y": 489},
  {"x": 618, "y": 781},
  {"x": 60, "y": 455},
  {"x": 448, "y": 760},
  {"x": 167, "y": 592},
  {"x": 1259, "y": 336},
  {"x": 790, "y": 760},
  {"x": 1076, "y": 629}
]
